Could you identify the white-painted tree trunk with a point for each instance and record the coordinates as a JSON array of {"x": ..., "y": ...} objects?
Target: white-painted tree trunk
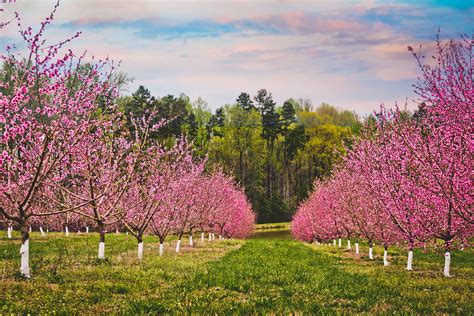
[
  {"x": 220, "y": 237},
  {"x": 202, "y": 237},
  {"x": 213, "y": 236},
  {"x": 42, "y": 231},
  {"x": 178, "y": 245},
  {"x": 210, "y": 237},
  {"x": 140, "y": 250},
  {"x": 25, "y": 259},
  {"x": 357, "y": 248},
  {"x": 162, "y": 248},
  {"x": 9, "y": 232},
  {"x": 87, "y": 229},
  {"x": 47, "y": 230},
  {"x": 101, "y": 250},
  {"x": 191, "y": 242},
  {"x": 410, "y": 260},
  {"x": 29, "y": 229},
  {"x": 67, "y": 231},
  {"x": 339, "y": 243},
  {"x": 116, "y": 232},
  {"x": 349, "y": 244},
  {"x": 447, "y": 263},
  {"x": 334, "y": 243},
  {"x": 385, "y": 260},
  {"x": 371, "y": 253}
]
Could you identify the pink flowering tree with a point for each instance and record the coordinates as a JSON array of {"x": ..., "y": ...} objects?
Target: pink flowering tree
[
  {"x": 300, "y": 224},
  {"x": 241, "y": 218},
  {"x": 103, "y": 167},
  {"x": 368, "y": 218},
  {"x": 383, "y": 165},
  {"x": 184, "y": 197},
  {"x": 174, "y": 201},
  {"x": 411, "y": 172},
  {"x": 441, "y": 140},
  {"x": 46, "y": 107},
  {"x": 318, "y": 212},
  {"x": 139, "y": 204},
  {"x": 156, "y": 170},
  {"x": 232, "y": 216}
]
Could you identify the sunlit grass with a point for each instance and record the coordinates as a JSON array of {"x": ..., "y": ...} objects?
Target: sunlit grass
[
  {"x": 272, "y": 226},
  {"x": 67, "y": 277}
]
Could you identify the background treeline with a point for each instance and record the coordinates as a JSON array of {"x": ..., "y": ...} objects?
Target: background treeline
[{"x": 275, "y": 151}]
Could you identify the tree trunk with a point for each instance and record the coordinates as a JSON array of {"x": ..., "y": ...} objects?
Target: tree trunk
[
  {"x": 447, "y": 263},
  {"x": 87, "y": 229},
  {"x": 349, "y": 244},
  {"x": 202, "y": 237},
  {"x": 447, "y": 258},
  {"x": 339, "y": 243},
  {"x": 101, "y": 227},
  {"x": 371, "y": 254},
  {"x": 191, "y": 242},
  {"x": 42, "y": 231},
  {"x": 162, "y": 248},
  {"x": 25, "y": 252},
  {"x": 9, "y": 232},
  {"x": 357, "y": 248},
  {"x": 140, "y": 246},
  {"x": 385, "y": 253},
  {"x": 67, "y": 231},
  {"x": 410, "y": 259},
  {"x": 334, "y": 242},
  {"x": 178, "y": 244}
]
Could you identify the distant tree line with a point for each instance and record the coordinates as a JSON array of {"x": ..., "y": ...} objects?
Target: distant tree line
[{"x": 274, "y": 151}]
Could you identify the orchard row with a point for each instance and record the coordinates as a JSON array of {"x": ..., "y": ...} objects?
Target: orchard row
[
  {"x": 67, "y": 159},
  {"x": 409, "y": 178}
]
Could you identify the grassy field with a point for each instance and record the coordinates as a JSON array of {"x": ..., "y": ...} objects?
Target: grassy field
[
  {"x": 272, "y": 226},
  {"x": 269, "y": 273}
]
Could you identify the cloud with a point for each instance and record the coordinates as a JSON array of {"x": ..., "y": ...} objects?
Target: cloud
[
  {"x": 351, "y": 55},
  {"x": 296, "y": 23}
]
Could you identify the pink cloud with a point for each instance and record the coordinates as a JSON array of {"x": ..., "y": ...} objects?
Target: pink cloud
[{"x": 308, "y": 23}]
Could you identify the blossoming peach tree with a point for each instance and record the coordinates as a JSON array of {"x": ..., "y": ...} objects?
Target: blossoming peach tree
[
  {"x": 46, "y": 108},
  {"x": 412, "y": 172}
]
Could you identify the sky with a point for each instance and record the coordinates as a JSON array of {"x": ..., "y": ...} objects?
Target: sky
[{"x": 351, "y": 54}]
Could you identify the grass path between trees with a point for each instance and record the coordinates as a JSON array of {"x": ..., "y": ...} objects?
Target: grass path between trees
[
  {"x": 272, "y": 273},
  {"x": 269, "y": 273}
]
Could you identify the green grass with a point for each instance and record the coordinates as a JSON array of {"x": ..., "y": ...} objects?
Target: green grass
[
  {"x": 269, "y": 273},
  {"x": 272, "y": 226},
  {"x": 67, "y": 277}
]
